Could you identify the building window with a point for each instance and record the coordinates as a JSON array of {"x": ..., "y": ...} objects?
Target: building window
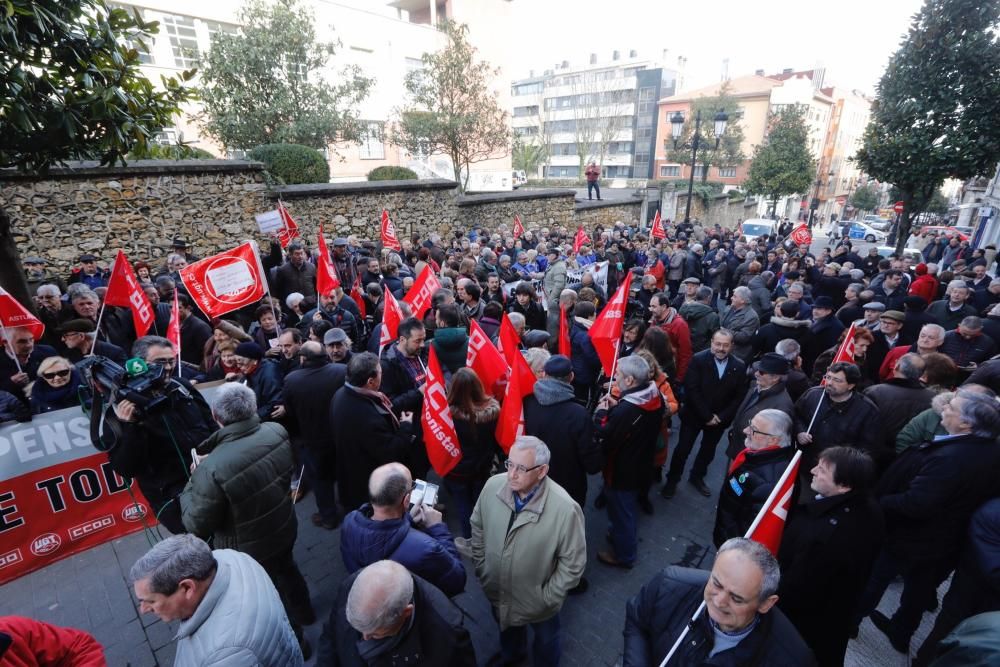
[
  {"x": 699, "y": 171},
  {"x": 530, "y": 131},
  {"x": 642, "y": 157},
  {"x": 521, "y": 112},
  {"x": 216, "y": 28},
  {"x": 645, "y": 108},
  {"x": 372, "y": 147},
  {"x": 670, "y": 171},
  {"x": 644, "y": 133},
  {"x": 727, "y": 172},
  {"x": 145, "y": 57},
  {"x": 561, "y": 172},
  {"x": 183, "y": 39},
  {"x": 647, "y": 93}
]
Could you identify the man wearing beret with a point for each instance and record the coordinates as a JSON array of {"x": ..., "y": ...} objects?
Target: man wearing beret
[
  {"x": 80, "y": 338},
  {"x": 767, "y": 392},
  {"x": 264, "y": 377}
]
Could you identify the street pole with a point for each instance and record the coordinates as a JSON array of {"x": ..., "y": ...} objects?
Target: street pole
[{"x": 694, "y": 161}]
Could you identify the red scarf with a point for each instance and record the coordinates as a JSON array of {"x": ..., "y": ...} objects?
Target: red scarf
[{"x": 741, "y": 457}]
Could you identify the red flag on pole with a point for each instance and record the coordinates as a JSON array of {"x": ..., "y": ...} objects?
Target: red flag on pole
[
  {"x": 440, "y": 437},
  {"x": 565, "y": 348},
  {"x": 124, "y": 290},
  {"x": 420, "y": 295},
  {"x": 521, "y": 383},
  {"x": 801, "y": 235},
  {"x": 226, "y": 282},
  {"x": 174, "y": 328},
  {"x": 359, "y": 297},
  {"x": 389, "y": 239},
  {"x": 291, "y": 230},
  {"x": 606, "y": 332},
  {"x": 769, "y": 525},
  {"x": 391, "y": 317},
  {"x": 326, "y": 274},
  {"x": 484, "y": 358},
  {"x": 656, "y": 231},
  {"x": 13, "y": 314},
  {"x": 578, "y": 240},
  {"x": 844, "y": 353},
  {"x": 518, "y": 227}
]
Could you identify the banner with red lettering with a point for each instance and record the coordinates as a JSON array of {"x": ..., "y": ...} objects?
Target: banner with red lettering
[
  {"x": 13, "y": 314},
  {"x": 226, "y": 282},
  {"x": 769, "y": 525},
  {"x": 326, "y": 274},
  {"x": 801, "y": 235},
  {"x": 391, "y": 317},
  {"x": 389, "y": 239},
  {"x": 440, "y": 437},
  {"x": 657, "y": 231},
  {"x": 421, "y": 294},
  {"x": 485, "y": 359},
  {"x": 518, "y": 227},
  {"x": 124, "y": 290},
  {"x": 606, "y": 332}
]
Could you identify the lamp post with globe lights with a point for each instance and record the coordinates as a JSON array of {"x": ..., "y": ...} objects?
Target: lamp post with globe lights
[{"x": 677, "y": 128}]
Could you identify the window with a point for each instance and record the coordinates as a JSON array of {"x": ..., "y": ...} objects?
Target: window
[
  {"x": 670, "y": 171},
  {"x": 646, "y": 108},
  {"x": 644, "y": 133},
  {"x": 183, "y": 39},
  {"x": 647, "y": 93},
  {"x": 215, "y": 28},
  {"x": 727, "y": 172},
  {"x": 145, "y": 57},
  {"x": 166, "y": 137},
  {"x": 526, "y": 131},
  {"x": 561, "y": 172},
  {"x": 642, "y": 157},
  {"x": 521, "y": 112},
  {"x": 699, "y": 171},
  {"x": 372, "y": 147}
]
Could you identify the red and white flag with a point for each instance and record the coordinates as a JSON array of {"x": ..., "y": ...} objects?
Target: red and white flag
[
  {"x": 657, "y": 231},
  {"x": 391, "y": 317},
  {"x": 174, "y": 328},
  {"x": 484, "y": 358},
  {"x": 518, "y": 227},
  {"x": 13, "y": 314},
  {"x": 769, "y": 525},
  {"x": 565, "y": 348},
  {"x": 359, "y": 296},
  {"x": 326, "y": 274},
  {"x": 422, "y": 293},
  {"x": 510, "y": 425},
  {"x": 226, "y": 282},
  {"x": 579, "y": 240},
  {"x": 124, "y": 290},
  {"x": 801, "y": 235},
  {"x": 389, "y": 239},
  {"x": 606, "y": 332},
  {"x": 845, "y": 352},
  {"x": 290, "y": 230},
  {"x": 440, "y": 437}
]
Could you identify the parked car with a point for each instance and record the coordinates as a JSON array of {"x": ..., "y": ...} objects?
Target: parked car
[
  {"x": 878, "y": 223},
  {"x": 912, "y": 253},
  {"x": 756, "y": 227},
  {"x": 948, "y": 231},
  {"x": 864, "y": 231}
]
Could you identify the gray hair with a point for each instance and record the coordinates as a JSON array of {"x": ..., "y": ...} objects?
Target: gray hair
[
  {"x": 635, "y": 368},
  {"x": 936, "y": 328},
  {"x": 972, "y": 322},
  {"x": 87, "y": 294},
  {"x": 954, "y": 284},
  {"x": 77, "y": 288},
  {"x": 981, "y": 412},
  {"x": 941, "y": 400},
  {"x": 140, "y": 348},
  {"x": 536, "y": 357},
  {"x": 172, "y": 560},
  {"x": 857, "y": 288},
  {"x": 542, "y": 453},
  {"x": 794, "y": 286},
  {"x": 781, "y": 425},
  {"x": 379, "y": 596},
  {"x": 703, "y": 293},
  {"x": 856, "y": 274},
  {"x": 233, "y": 403},
  {"x": 760, "y": 557},
  {"x": 293, "y": 298},
  {"x": 516, "y": 319},
  {"x": 789, "y": 348},
  {"x": 911, "y": 366},
  {"x": 744, "y": 293},
  {"x": 932, "y": 268},
  {"x": 48, "y": 290}
]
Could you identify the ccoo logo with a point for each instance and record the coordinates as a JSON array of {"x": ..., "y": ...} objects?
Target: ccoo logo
[
  {"x": 45, "y": 544},
  {"x": 134, "y": 512}
]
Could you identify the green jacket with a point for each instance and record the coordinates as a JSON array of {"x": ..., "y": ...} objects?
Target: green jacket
[
  {"x": 921, "y": 428},
  {"x": 527, "y": 571},
  {"x": 239, "y": 493},
  {"x": 703, "y": 321}
]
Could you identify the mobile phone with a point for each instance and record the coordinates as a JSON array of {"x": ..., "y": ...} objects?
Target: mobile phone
[{"x": 424, "y": 493}]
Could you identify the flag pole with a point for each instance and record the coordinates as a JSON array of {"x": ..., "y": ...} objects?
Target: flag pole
[
  {"x": 614, "y": 364},
  {"x": 177, "y": 310},
  {"x": 10, "y": 348},
  {"x": 816, "y": 411},
  {"x": 97, "y": 330}
]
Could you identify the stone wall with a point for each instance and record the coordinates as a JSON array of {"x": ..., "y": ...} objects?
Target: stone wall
[
  {"x": 537, "y": 208},
  {"x": 606, "y": 213},
  {"x": 721, "y": 210}
]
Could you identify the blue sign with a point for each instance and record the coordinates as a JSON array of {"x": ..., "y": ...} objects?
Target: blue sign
[{"x": 856, "y": 232}]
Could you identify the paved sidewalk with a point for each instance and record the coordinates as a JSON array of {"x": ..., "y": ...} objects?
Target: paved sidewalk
[{"x": 89, "y": 590}]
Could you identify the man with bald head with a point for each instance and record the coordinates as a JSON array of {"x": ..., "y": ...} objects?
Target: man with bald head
[
  {"x": 386, "y": 528},
  {"x": 386, "y": 615}
]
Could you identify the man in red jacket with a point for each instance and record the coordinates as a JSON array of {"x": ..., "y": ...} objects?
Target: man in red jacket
[
  {"x": 593, "y": 173},
  {"x": 25, "y": 642},
  {"x": 926, "y": 284},
  {"x": 667, "y": 318}
]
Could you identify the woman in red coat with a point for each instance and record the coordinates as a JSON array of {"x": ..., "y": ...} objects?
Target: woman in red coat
[{"x": 925, "y": 285}]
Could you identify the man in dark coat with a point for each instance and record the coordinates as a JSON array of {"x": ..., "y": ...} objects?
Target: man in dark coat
[
  {"x": 80, "y": 338},
  {"x": 702, "y": 319},
  {"x": 785, "y": 325},
  {"x": 928, "y": 495},
  {"x": 386, "y": 615},
  {"x": 195, "y": 332},
  {"x": 900, "y": 399},
  {"x": 365, "y": 430},
  {"x": 823, "y": 333},
  {"x": 838, "y": 534},
  {"x": 715, "y": 383},
  {"x": 915, "y": 317},
  {"x": 767, "y": 392},
  {"x": 264, "y": 377},
  {"x": 307, "y": 394},
  {"x": 740, "y": 596},
  {"x": 295, "y": 275},
  {"x": 403, "y": 370}
]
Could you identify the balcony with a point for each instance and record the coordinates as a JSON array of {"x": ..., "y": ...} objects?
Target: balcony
[{"x": 422, "y": 12}]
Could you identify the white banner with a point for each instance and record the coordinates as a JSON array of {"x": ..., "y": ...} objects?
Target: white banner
[{"x": 598, "y": 270}]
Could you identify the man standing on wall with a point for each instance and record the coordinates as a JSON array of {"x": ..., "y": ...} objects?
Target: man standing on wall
[{"x": 593, "y": 173}]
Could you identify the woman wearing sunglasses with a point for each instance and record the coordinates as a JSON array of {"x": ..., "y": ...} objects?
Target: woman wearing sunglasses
[{"x": 57, "y": 386}]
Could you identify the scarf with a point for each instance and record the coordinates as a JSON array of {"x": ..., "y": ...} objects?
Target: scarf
[
  {"x": 379, "y": 399},
  {"x": 741, "y": 457}
]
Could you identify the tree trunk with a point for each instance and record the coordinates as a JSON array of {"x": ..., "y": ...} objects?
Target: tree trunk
[{"x": 12, "y": 276}]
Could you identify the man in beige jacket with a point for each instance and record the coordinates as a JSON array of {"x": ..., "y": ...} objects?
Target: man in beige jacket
[{"x": 530, "y": 548}]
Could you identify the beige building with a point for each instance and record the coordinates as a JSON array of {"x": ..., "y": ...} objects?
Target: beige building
[{"x": 385, "y": 39}]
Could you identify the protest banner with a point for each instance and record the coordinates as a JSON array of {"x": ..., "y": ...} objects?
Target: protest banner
[
  {"x": 599, "y": 270},
  {"x": 227, "y": 281}
]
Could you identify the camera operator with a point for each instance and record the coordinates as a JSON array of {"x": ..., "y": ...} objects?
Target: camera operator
[{"x": 155, "y": 448}]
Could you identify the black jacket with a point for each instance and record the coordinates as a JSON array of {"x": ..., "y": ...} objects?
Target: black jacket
[
  {"x": 307, "y": 394},
  {"x": 437, "y": 637},
  {"x": 826, "y": 553},
  {"x": 706, "y": 394},
  {"x": 964, "y": 352},
  {"x": 552, "y": 415},
  {"x": 898, "y": 402},
  {"x": 194, "y": 334},
  {"x": 988, "y": 375},
  {"x": 853, "y": 422},
  {"x": 778, "y": 329},
  {"x": 627, "y": 434},
  {"x": 477, "y": 437},
  {"x": 266, "y": 382},
  {"x": 534, "y": 315},
  {"x": 656, "y": 617},
  {"x": 821, "y": 336},
  {"x": 289, "y": 279},
  {"x": 775, "y": 398},
  {"x": 745, "y": 490},
  {"x": 398, "y": 384}
]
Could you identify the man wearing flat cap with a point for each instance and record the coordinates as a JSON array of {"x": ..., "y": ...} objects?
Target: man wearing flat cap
[
  {"x": 343, "y": 262},
  {"x": 80, "y": 338},
  {"x": 872, "y": 316},
  {"x": 767, "y": 392},
  {"x": 89, "y": 273}
]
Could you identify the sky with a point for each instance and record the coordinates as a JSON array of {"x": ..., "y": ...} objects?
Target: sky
[{"x": 852, "y": 39}]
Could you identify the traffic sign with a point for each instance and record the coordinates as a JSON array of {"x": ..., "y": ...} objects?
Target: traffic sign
[{"x": 898, "y": 207}]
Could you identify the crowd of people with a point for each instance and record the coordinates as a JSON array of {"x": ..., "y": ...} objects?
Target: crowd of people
[{"x": 743, "y": 342}]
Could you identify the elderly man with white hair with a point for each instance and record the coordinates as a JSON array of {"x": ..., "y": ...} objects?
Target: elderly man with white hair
[{"x": 951, "y": 310}]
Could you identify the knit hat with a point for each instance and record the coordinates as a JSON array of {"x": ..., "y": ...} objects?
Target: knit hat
[
  {"x": 249, "y": 351},
  {"x": 920, "y": 269},
  {"x": 558, "y": 365}
]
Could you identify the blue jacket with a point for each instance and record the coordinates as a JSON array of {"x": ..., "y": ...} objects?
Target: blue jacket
[
  {"x": 429, "y": 553},
  {"x": 586, "y": 363}
]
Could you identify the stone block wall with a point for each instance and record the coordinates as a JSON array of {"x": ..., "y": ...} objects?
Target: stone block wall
[
  {"x": 537, "y": 208},
  {"x": 607, "y": 213}
]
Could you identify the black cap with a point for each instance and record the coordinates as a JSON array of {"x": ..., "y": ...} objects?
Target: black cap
[
  {"x": 558, "y": 366},
  {"x": 249, "y": 350},
  {"x": 823, "y": 302},
  {"x": 87, "y": 257},
  {"x": 79, "y": 325},
  {"x": 773, "y": 364}
]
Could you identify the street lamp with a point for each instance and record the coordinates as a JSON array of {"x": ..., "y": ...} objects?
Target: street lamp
[{"x": 677, "y": 128}]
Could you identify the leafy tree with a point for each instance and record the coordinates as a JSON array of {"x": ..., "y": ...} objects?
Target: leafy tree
[
  {"x": 938, "y": 204},
  {"x": 730, "y": 151},
  {"x": 452, "y": 110},
  {"x": 528, "y": 156},
  {"x": 864, "y": 198},
  {"x": 290, "y": 164},
  {"x": 935, "y": 112},
  {"x": 782, "y": 164},
  {"x": 264, "y": 85},
  {"x": 72, "y": 89}
]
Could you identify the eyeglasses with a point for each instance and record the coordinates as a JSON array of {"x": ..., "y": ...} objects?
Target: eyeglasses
[
  {"x": 56, "y": 374},
  {"x": 520, "y": 468},
  {"x": 754, "y": 431}
]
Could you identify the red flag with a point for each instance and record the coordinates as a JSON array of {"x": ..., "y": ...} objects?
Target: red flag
[
  {"x": 174, "y": 328},
  {"x": 518, "y": 227},
  {"x": 844, "y": 353},
  {"x": 801, "y": 235},
  {"x": 420, "y": 295},
  {"x": 226, "y": 282},
  {"x": 521, "y": 383},
  {"x": 769, "y": 525},
  {"x": 291, "y": 230},
  {"x": 580, "y": 238},
  {"x": 389, "y": 239},
  {"x": 359, "y": 297},
  {"x": 656, "y": 231},
  {"x": 391, "y": 317},
  {"x": 124, "y": 290},
  {"x": 606, "y": 332},
  {"x": 484, "y": 358},
  {"x": 13, "y": 314},
  {"x": 440, "y": 437},
  {"x": 326, "y": 274},
  {"x": 565, "y": 348}
]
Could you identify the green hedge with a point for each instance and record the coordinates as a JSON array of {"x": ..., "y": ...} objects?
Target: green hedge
[
  {"x": 290, "y": 164},
  {"x": 392, "y": 174},
  {"x": 171, "y": 152}
]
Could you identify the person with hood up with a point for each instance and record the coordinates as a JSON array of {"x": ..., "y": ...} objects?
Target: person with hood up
[
  {"x": 701, "y": 318},
  {"x": 760, "y": 296},
  {"x": 451, "y": 342},
  {"x": 926, "y": 284}
]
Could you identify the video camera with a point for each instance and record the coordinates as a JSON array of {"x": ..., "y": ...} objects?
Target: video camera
[{"x": 136, "y": 385}]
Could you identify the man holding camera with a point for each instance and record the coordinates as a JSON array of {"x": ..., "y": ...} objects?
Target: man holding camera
[{"x": 154, "y": 448}]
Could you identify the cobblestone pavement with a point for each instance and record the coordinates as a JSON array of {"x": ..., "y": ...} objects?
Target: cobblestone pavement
[{"x": 89, "y": 590}]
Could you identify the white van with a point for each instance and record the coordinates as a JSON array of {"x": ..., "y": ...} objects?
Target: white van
[{"x": 756, "y": 227}]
